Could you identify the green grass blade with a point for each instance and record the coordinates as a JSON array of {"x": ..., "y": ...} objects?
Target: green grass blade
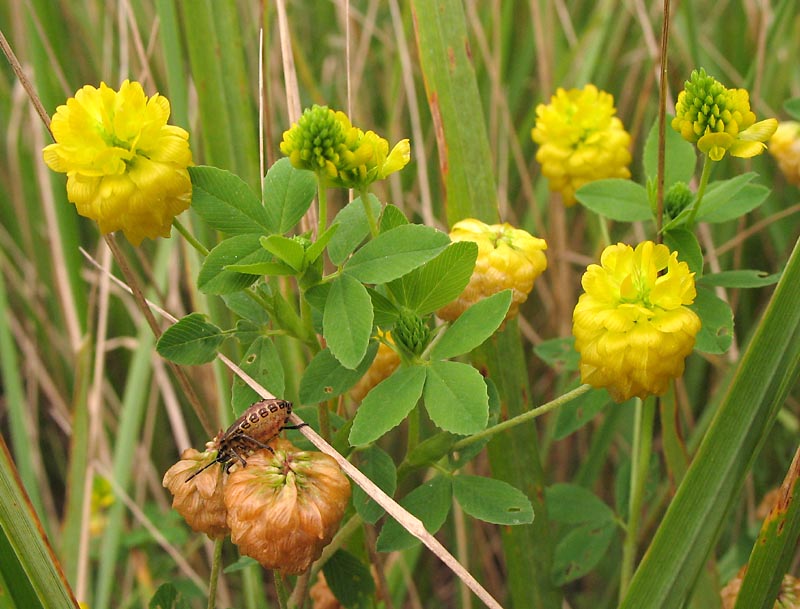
[
  {"x": 173, "y": 59},
  {"x": 226, "y": 122},
  {"x": 465, "y": 160},
  {"x": 514, "y": 458},
  {"x": 14, "y": 397},
  {"x": 691, "y": 526},
  {"x": 775, "y": 547},
  {"x": 26, "y": 558}
]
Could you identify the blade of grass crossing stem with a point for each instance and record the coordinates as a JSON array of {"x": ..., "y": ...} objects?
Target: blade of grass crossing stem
[
  {"x": 514, "y": 458},
  {"x": 134, "y": 401},
  {"x": 26, "y": 559},
  {"x": 691, "y": 526},
  {"x": 465, "y": 160}
]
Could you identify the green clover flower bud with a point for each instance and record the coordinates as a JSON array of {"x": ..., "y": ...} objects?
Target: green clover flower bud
[
  {"x": 678, "y": 197},
  {"x": 318, "y": 141},
  {"x": 411, "y": 333}
]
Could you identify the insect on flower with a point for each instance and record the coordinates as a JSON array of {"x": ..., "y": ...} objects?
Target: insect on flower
[{"x": 259, "y": 424}]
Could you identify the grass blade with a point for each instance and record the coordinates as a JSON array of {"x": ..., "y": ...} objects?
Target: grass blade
[
  {"x": 26, "y": 558},
  {"x": 465, "y": 160},
  {"x": 692, "y": 524}
]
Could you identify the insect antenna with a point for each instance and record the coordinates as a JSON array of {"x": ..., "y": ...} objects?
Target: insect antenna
[{"x": 205, "y": 467}]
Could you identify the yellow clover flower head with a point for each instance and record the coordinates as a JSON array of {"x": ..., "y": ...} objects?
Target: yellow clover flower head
[
  {"x": 324, "y": 141},
  {"x": 719, "y": 119},
  {"x": 508, "y": 258},
  {"x": 785, "y": 147},
  {"x": 126, "y": 168},
  {"x": 580, "y": 140},
  {"x": 319, "y": 141},
  {"x": 632, "y": 326}
]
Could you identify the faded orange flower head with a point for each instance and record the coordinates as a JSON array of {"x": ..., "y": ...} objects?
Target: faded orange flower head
[
  {"x": 126, "y": 168},
  {"x": 199, "y": 500},
  {"x": 284, "y": 508}
]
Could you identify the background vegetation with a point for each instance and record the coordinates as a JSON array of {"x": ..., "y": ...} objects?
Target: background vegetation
[{"x": 89, "y": 411}]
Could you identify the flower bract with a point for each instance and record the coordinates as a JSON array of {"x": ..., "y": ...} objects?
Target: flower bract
[
  {"x": 632, "y": 325},
  {"x": 508, "y": 258},
  {"x": 719, "y": 120},
  {"x": 126, "y": 168},
  {"x": 580, "y": 140}
]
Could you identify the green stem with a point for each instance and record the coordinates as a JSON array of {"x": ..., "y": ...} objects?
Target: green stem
[
  {"x": 522, "y": 418},
  {"x": 701, "y": 190},
  {"x": 373, "y": 224},
  {"x": 322, "y": 196},
  {"x": 189, "y": 237},
  {"x": 280, "y": 588},
  {"x": 215, "y": 569},
  {"x": 640, "y": 465},
  {"x": 324, "y": 421},
  {"x": 604, "y": 230}
]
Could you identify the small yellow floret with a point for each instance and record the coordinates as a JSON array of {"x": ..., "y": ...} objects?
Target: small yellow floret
[
  {"x": 632, "y": 325},
  {"x": 126, "y": 168}
]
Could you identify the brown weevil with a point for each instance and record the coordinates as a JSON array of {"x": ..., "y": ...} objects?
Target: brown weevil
[{"x": 259, "y": 424}]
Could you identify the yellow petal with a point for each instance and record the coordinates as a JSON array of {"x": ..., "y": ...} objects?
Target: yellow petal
[{"x": 760, "y": 131}]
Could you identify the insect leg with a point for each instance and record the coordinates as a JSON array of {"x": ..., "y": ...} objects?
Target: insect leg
[
  {"x": 245, "y": 437},
  {"x": 293, "y": 426}
]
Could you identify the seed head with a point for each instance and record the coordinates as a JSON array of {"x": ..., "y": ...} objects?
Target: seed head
[
  {"x": 284, "y": 508},
  {"x": 200, "y": 500}
]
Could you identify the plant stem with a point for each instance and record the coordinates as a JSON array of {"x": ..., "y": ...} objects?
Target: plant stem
[
  {"x": 322, "y": 197},
  {"x": 190, "y": 238},
  {"x": 701, "y": 190},
  {"x": 640, "y": 466},
  {"x": 373, "y": 225},
  {"x": 523, "y": 418},
  {"x": 215, "y": 569},
  {"x": 280, "y": 588},
  {"x": 603, "y": 223}
]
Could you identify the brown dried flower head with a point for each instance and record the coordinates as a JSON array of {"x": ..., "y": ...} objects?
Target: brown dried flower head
[
  {"x": 199, "y": 500},
  {"x": 284, "y": 508}
]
